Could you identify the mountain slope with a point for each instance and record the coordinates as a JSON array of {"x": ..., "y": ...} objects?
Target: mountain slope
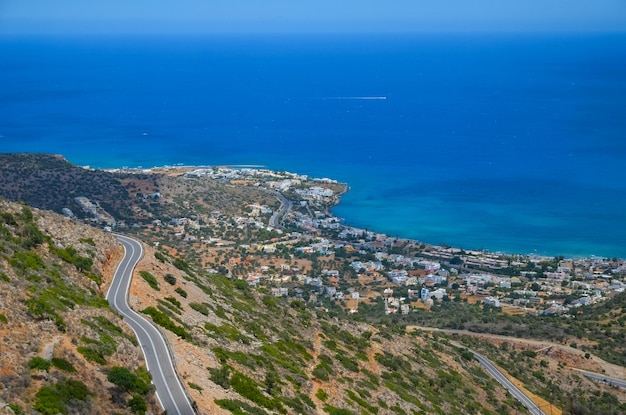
[{"x": 62, "y": 346}]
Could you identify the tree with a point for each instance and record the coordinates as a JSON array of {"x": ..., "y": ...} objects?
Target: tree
[
  {"x": 271, "y": 382},
  {"x": 137, "y": 405}
]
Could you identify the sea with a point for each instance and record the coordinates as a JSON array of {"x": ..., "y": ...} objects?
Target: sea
[{"x": 513, "y": 143}]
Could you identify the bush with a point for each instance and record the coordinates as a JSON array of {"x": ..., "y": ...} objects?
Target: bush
[
  {"x": 137, "y": 405},
  {"x": 321, "y": 394},
  {"x": 88, "y": 241},
  {"x": 331, "y": 410},
  {"x": 91, "y": 355},
  {"x": 200, "y": 308},
  {"x": 3, "y": 319},
  {"x": 164, "y": 321},
  {"x": 220, "y": 376},
  {"x": 181, "y": 292},
  {"x": 195, "y": 386},
  {"x": 170, "y": 279},
  {"x": 249, "y": 389},
  {"x": 237, "y": 407},
  {"x": 160, "y": 257},
  {"x": 529, "y": 353},
  {"x": 126, "y": 380},
  {"x": 150, "y": 279},
  {"x": 52, "y": 400},
  {"x": 62, "y": 364},
  {"x": 70, "y": 255},
  {"x": 39, "y": 363},
  {"x": 173, "y": 301},
  {"x": 26, "y": 260}
]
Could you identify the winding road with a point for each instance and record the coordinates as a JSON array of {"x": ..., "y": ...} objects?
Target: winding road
[
  {"x": 169, "y": 390},
  {"x": 285, "y": 206}
]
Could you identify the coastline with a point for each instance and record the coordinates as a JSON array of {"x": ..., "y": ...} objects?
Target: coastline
[{"x": 177, "y": 169}]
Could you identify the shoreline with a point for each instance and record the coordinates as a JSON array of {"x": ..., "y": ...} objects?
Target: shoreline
[{"x": 182, "y": 168}]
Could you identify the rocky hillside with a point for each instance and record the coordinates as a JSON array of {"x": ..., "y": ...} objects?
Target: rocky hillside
[
  {"x": 63, "y": 350},
  {"x": 51, "y": 182}
]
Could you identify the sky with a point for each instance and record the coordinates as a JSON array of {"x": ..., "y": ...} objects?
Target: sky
[{"x": 250, "y": 16}]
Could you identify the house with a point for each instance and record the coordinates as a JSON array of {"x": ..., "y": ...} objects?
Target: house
[
  {"x": 492, "y": 301},
  {"x": 280, "y": 292}
]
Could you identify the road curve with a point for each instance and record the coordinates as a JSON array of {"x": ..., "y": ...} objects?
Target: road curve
[
  {"x": 169, "y": 390},
  {"x": 285, "y": 206}
]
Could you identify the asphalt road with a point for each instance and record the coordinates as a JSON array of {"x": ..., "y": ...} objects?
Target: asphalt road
[
  {"x": 285, "y": 206},
  {"x": 620, "y": 383},
  {"x": 169, "y": 390},
  {"x": 504, "y": 381},
  {"x": 495, "y": 373}
]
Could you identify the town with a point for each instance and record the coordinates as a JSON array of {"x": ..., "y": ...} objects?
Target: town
[{"x": 300, "y": 250}]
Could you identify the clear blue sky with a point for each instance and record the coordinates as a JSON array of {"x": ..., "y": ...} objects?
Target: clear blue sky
[{"x": 160, "y": 16}]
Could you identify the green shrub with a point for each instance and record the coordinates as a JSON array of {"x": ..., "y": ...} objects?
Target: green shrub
[
  {"x": 160, "y": 257},
  {"x": 91, "y": 354},
  {"x": 63, "y": 364},
  {"x": 88, "y": 241},
  {"x": 331, "y": 410},
  {"x": 3, "y": 319},
  {"x": 150, "y": 279},
  {"x": 4, "y": 277},
  {"x": 17, "y": 410},
  {"x": 348, "y": 362},
  {"x": 238, "y": 407},
  {"x": 52, "y": 400},
  {"x": 321, "y": 394},
  {"x": 173, "y": 301},
  {"x": 26, "y": 261},
  {"x": 137, "y": 405},
  {"x": 39, "y": 363},
  {"x": 181, "y": 292},
  {"x": 126, "y": 380},
  {"x": 220, "y": 376},
  {"x": 201, "y": 308},
  {"x": 70, "y": 255},
  {"x": 170, "y": 279},
  {"x": 195, "y": 386},
  {"x": 164, "y": 321},
  {"x": 8, "y": 218},
  {"x": 249, "y": 389},
  {"x": 32, "y": 236}
]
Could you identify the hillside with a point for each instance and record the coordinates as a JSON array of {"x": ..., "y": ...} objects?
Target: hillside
[
  {"x": 62, "y": 345},
  {"x": 129, "y": 197},
  {"x": 247, "y": 351}
]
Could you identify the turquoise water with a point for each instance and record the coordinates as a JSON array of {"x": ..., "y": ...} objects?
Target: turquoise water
[{"x": 509, "y": 143}]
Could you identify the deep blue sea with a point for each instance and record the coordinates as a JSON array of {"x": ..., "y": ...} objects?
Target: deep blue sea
[{"x": 513, "y": 143}]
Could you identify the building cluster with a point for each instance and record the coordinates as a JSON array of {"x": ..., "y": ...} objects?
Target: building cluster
[{"x": 405, "y": 274}]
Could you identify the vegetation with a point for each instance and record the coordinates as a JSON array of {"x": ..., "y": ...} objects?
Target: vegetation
[
  {"x": 58, "y": 398},
  {"x": 39, "y": 363},
  {"x": 127, "y": 381},
  {"x": 170, "y": 279},
  {"x": 62, "y": 364},
  {"x": 70, "y": 255},
  {"x": 150, "y": 279},
  {"x": 164, "y": 321}
]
